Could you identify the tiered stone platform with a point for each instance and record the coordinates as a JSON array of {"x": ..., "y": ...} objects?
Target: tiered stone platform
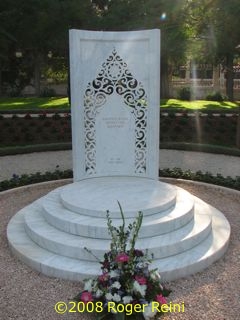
[{"x": 184, "y": 233}]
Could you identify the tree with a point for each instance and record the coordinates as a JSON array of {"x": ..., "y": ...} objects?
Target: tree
[
  {"x": 217, "y": 23},
  {"x": 6, "y": 37},
  {"x": 169, "y": 16},
  {"x": 40, "y": 26},
  {"x": 227, "y": 33}
]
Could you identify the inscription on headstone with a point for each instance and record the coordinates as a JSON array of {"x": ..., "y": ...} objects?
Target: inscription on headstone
[
  {"x": 115, "y": 137},
  {"x": 115, "y": 122}
]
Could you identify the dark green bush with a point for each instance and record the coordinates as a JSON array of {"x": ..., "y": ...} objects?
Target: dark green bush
[
  {"x": 185, "y": 93},
  {"x": 25, "y": 179},
  {"x": 215, "y": 96},
  {"x": 47, "y": 123},
  {"x": 39, "y": 129},
  {"x": 207, "y": 177},
  {"x": 48, "y": 92},
  {"x": 183, "y": 121},
  {"x": 214, "y": 130},
  {"x": 56, "y": 116}
]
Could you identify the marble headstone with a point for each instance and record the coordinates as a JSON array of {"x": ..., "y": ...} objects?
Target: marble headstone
[
  {"x": 115, "y": 106},
  {"x": 115, "y": 103}
]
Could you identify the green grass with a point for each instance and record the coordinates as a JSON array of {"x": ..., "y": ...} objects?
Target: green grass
[
  {"x": 7, "y": 104},
  {"x": 33, "y": 103},
  {"x": 199, "y": 104}
]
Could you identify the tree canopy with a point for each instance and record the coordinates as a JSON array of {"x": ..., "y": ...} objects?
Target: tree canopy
[
  {"x": 206, "y": 29},
  {"x": 217, "y": 24}
]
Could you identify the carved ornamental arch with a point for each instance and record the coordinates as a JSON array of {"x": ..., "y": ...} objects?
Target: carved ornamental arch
[{"x": 115, "y": 77}]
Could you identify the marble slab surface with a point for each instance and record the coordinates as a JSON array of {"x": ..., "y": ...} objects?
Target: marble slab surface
[{"x": 97, "y": 195}]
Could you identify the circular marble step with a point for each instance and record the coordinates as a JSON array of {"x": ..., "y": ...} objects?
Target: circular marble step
[
  {"x": 59, "y": 242},
  {"x": 96, "y": 227},
  {"x": 56, "y": 265},
  {"x": 95, "y": 196},
  {"x": 201, "y": 256}
]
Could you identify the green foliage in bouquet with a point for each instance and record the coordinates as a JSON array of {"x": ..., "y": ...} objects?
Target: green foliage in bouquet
[{"x": 126, "y": 288}]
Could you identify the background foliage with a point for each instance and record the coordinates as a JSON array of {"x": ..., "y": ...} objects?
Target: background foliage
[{"x": 205, "y": 30}]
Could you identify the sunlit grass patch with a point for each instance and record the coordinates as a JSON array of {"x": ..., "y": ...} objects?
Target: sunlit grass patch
[
  {"x": 198, "y": 104},
  {"x": 33, "y": 103}
]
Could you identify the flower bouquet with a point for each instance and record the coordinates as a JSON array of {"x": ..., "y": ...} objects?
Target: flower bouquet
[{"x": 126, "y": 288}]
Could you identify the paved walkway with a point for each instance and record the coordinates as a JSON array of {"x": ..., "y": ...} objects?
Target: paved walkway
[{"x": 48, "y": 161}]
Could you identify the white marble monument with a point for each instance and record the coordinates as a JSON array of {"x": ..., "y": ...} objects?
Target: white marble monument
[
  {"x": 115, "y": 125},
  {"x": 115, "y": 103}
]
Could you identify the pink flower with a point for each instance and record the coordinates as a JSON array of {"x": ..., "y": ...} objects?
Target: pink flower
[
  {"x": 122, "y": 257},
  {"x": 103, "y": 277},
  {"x": 141, "y": 280},
  {"x": 105, "y": 264},
  {"x": 86, "y": 297},
  {"x": 160, "y": 298}
]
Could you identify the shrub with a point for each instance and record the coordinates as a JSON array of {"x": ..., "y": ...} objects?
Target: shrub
[
  {"x": 17, "y": 181},
  {"x": 25, "y": 179},
  {"x": 207, "y": 177},
  {"x": 47, "y": 123},
  {"x": 39, "y": 129},
  {"x": 183, "y": 121},
  {"x": 185, "y": 93},
  {"x": 56, "y": 116},
  {"x": 48, "y": 92},
  {"x": 215, "y": 96},
  {"x": 43, "y": 115},
  {"x": 28, "y": 116}
]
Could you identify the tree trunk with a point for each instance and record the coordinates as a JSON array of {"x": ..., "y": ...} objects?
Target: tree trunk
[
  {"x": 164, "y": 79},
  {"x": 238, "y": 130},
  {"x": 229, "y": 76},
  {"x": 1, "y": 80},
  {"x": 37, "y": 74},
  {"x": 216, "y": 78}
]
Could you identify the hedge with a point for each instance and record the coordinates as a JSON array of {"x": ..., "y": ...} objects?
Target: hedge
[{"x": 25, "y": 179}]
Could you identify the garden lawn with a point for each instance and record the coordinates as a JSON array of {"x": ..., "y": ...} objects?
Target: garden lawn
[
  {"x": 55, "y": 103},
  {"x": 203, "y": 105},
  {"x": 33, "y": 103}
]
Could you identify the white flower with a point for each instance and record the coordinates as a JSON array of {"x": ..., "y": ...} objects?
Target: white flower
[
  {"x": 113, "y": 274},
  {"x": 99, "y": 293},
  {"x": 148, "y": 313},
  {"x": 88, "y": 285},
  {"x": 116, "y": 284},
  {"x": 139, "y": 288},
  {"x": 116, "y": 297},
  {"x": 142, "y": 264},
  {"x": 155, "y": 275},
  {"x": 109, "y": 296},
  {"x": 127, "y": 299}
]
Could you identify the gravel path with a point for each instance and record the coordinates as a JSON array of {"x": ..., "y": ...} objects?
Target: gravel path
[
  {"x": 47, "y": 161},
  {"x": 212, "y": 294}
]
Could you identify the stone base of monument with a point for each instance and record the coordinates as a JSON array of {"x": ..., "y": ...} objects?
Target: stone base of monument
[{"x": 184, "y": 233}]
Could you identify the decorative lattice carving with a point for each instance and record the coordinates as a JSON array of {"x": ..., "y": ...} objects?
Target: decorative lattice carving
[{"x": 115, "y": 77}]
